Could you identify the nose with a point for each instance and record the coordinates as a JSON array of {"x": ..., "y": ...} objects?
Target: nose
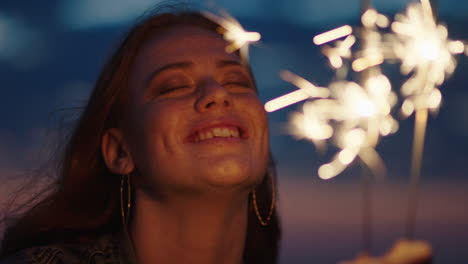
[{"x": 212, "y": 96}]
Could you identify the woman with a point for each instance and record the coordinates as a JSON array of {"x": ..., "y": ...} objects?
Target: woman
[{"x": 169, "y": 161}]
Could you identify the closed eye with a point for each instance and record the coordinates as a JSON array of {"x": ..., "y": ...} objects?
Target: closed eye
[
  {"x": 174, "y": 85},
  {"x": 235, "y": 83},
  {"x": 237, "y": 79},
  {"x": 169, "y": 89}
]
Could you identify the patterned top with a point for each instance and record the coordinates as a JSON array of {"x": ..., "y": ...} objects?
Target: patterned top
[{"x": 110, "y": 249}]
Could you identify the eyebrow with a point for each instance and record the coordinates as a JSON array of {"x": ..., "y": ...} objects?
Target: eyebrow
[
  {"x": 177, "y": 65},
  {"x": 225, "y": 63}
]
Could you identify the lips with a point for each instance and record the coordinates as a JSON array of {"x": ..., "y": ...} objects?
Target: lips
[{"x": 216, "y": 129}]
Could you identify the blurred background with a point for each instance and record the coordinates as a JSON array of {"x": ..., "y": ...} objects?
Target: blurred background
[{"x": 51, "y": 53}]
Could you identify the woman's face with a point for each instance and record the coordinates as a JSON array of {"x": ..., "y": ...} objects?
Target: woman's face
[{"x": 195, "y": 121}]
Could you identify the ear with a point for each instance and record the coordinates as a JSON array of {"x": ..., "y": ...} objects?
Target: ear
[{"x": 115, "y": 152}]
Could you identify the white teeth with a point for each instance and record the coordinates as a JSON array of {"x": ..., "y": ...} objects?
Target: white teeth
[
  {"x": 217, "y": 132},
  {"x": 225, "y": 132},
  {"x": 234, "y": 133}
]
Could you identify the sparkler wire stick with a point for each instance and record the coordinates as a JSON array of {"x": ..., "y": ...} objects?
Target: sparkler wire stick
[
  {"x": 416, "y": 161},
  {"x": 420, "y": 125},
  {"x": 366, "y": 174}
]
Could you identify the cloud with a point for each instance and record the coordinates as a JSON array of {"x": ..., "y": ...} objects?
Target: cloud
[
  {"x": 22, "y": 45},
  {"x": 73, "y": 94},
  {"x": 305, "y": 12},
  {"x": 88, "y": 14},
  {"x": 242, "y": 8}
]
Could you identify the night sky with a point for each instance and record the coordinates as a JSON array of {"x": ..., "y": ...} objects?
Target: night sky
[{"x": 51, "y": 53}]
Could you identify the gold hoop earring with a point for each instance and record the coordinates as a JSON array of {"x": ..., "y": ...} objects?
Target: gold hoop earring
[
  {"x": 125, "y": 213},
  {"x": 272, "y": 205}
]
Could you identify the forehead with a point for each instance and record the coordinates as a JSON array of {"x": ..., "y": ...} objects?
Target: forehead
[{"x": 181, "y": 43}]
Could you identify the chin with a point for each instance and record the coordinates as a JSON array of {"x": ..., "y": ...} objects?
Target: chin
[{"x": 231, "y": 173}]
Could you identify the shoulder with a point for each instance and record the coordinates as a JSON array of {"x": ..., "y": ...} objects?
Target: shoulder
[{"x": 98, "y": 251}]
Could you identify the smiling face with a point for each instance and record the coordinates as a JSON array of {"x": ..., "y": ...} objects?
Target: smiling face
[{"x": 195, "y": 121}]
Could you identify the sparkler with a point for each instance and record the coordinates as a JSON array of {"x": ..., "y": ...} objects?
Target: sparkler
[
  {"x": 354, "y": 116},
  {"x": 425, "y": 51},
  {"x": 350, "y": 115},
  {"x": 234, "y": 33},
  {"x": 418, "y": 42},
  {"x": 369, "y": 57}
]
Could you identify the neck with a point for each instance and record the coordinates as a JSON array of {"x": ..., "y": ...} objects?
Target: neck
[{"x": 197, "y": 230}]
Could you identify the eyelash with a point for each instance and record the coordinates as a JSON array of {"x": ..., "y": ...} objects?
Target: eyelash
[
  {"x": 238, "y": 83},
  {"x": 237, "y": 79},
  {"x": 169, "y": 89},
  {"x": 232, "y": 79}
]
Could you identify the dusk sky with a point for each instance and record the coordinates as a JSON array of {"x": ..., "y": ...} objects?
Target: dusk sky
[{"x": 51, "y": 53}]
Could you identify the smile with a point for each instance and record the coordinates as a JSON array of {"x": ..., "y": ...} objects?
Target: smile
[{"x": 217, "y": 132}]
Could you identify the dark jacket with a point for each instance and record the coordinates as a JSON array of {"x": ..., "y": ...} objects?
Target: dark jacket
[{"x": 109, "y": 249}]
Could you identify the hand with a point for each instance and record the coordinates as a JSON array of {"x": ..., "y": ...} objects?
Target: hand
[{"x": 402, "y": 252}]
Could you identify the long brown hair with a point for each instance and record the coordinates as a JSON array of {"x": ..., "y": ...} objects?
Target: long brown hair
[{"x": 84, "y": 202}]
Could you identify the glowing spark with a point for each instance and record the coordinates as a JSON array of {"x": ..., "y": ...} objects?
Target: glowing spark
[
  {"x": 372, "y": 53},
  {"x": 371, "y": 17},
  {"x": 306, "y": 86},
  {"x": 354, "y": 116},
  {"x": 346, "y": 156},
  {"x": 427, "y": 8},
  {"x": 364, "y": 63},
  {"x": 286, "y": 100},
  {"x": 307, "y": 90},
  {"x": 456, "y": 47},
  {"x": 342, "y": 50},
  {"x": 234, "y": 33},
  {"x": 425, "y": 51},
  {"x": 382, "y": 21},
  {"x": 333, "y": 34}
]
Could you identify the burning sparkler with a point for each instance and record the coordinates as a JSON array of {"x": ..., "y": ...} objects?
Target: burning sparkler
[
  {"x": 424, "y": 49},
  {"x": 350, "y": 115},
  {"x": 234, "y": 33},
  {"x": 418, "y": 42},
  {"x": 428, "y": 55},
  {"x": 354, "y": 116}
]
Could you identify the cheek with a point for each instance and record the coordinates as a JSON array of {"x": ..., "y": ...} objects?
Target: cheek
[
  {"x": 153, "y": 126},
  {"x": 154, "y": 143},
  {"x": 262, "y": 121},
  {"x": 259, "y": 119},
  {"x": 258, "y": 115}
]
